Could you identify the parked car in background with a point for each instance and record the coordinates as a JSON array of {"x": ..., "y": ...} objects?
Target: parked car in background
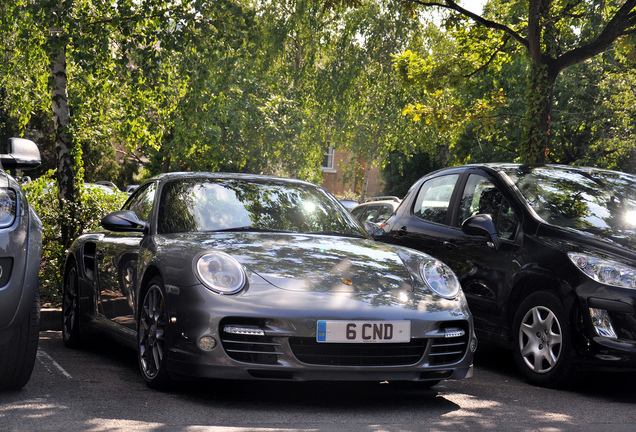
[
  {"x": 348, "y": 204},
  {"x": 546, "y": 256},
  {"x": 377, "y": 210},
  {"x": 129, "y": 189},
  {"x": 254, "y": 277},
  {"x": 20, "y": 253}
]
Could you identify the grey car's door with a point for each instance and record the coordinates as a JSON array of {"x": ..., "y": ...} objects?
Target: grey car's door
[{"x": 117, "y": 263}]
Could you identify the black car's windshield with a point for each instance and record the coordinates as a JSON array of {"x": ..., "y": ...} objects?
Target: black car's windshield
[
  {"x": 581, "y": 198},
  {"x": 195, "y": 205}
]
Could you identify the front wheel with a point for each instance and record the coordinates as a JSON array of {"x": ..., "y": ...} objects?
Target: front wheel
[
  {"x": 542, "y": 346},
  {"x": 151, "y": 336},
  {"x": 17, "y": 355}
]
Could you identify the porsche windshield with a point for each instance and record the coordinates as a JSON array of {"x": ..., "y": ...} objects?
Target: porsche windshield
[
  {"x": 580, "y": 198},
  {"x": 196, "y": 205}
]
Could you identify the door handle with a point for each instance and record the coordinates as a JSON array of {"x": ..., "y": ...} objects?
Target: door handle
[
  {"x": 99, "y": 255},
  {"x": 402, "y": 231}
]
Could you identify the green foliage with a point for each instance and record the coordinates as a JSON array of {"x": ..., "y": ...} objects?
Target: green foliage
[{"x": 42, "y": 196}]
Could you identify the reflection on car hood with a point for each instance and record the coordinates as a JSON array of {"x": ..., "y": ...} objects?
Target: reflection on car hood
[{"x": 313, "y": 262}]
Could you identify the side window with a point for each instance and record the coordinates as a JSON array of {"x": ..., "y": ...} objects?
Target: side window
[
  {"x": 141, "y": 202},
  {"x": 480, "y": 196},
  {"x": 434, "y": 198}
]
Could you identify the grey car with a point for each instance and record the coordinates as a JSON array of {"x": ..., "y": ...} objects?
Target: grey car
[
  {"x": 20, "y": 253},
  {"x": 253, "y": 277}
]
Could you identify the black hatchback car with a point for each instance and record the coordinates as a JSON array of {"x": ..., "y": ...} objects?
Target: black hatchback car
[{"x": 545, "y": 254}]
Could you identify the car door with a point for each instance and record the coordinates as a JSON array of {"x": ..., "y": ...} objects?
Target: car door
[
  {"x": 422, "y": 220},
  {"x": 483, "y": 269},
  {"x": 117, "y": 263}
]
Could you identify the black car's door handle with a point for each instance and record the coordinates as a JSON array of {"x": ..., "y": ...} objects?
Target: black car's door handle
[
  {"x": 99, "y": 255},
  {"x": 449, "y": 244},
  {"x": 402, "y": 231}
]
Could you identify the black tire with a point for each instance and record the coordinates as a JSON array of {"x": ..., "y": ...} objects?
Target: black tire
[
  {"x": 152, "y": 344},
  {"x": 17, "y": 356},
  {"x": 541, "y": 341},
  {"x": 71, "y": 335}
]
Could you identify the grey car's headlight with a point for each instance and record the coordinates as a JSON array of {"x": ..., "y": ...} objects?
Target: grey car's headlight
[
  {"x": 605, "y": 271},
  {"x": 7, "y": 207},
  {"x": 440, "y": 278},
  {"x": 220, "y": 272}
]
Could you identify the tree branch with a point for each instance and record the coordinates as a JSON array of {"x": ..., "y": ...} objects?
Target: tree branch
[
  {"x": 449, "y": 4},
  {"x": 619, "y": 25}
]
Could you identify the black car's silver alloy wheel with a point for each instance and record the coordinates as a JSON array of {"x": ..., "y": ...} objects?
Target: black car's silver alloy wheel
[
  {"x": 70, "y": 309},
  {"x": 540, "y": 339},
  {"x": 151, "y": 335}
]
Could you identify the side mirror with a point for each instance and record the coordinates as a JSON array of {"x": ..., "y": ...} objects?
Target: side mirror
[
  {"x": 123, "y": 221},
  {"x": 372, "y": 228},
  {"x": 20, "y": 154},
  {"x": 482, "y": 225}
]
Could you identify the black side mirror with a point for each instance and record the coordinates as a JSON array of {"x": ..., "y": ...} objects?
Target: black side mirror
[
  {"x": 123, "y": 221},
  {"x": 482, "y": 225},
  {"x": 372, "y": 228}
]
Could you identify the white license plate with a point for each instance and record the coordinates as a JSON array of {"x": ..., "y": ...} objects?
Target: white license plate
[{"x": 363, "y": 331}]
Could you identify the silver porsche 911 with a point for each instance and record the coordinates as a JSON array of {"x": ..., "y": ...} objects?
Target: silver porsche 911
[{"x": 253, "y": 277}]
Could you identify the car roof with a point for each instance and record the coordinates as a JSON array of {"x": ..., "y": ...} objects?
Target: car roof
[{"x": 226, "y": 176}]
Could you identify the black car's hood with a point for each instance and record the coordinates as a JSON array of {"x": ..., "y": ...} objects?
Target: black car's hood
[
  {"x": 615, "y": 242},
  {"x": 312, "y": 262}
]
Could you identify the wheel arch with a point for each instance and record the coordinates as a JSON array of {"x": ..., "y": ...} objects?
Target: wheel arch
[
  {"x": 529, "y": 282},
  {"x": 150, "y": 273}
]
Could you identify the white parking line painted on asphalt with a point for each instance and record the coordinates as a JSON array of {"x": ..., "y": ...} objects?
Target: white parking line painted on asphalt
[{"x": 47, "y": 361}]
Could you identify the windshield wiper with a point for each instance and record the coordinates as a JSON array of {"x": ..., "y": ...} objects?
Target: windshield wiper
[{"x": 249, "y": 229}]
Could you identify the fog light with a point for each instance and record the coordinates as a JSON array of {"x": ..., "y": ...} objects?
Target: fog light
[
  {"x": 602, "y": 323},
  {"x": 206, "y": 343}
]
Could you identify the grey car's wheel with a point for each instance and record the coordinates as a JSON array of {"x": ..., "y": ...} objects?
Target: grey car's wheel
[
  {"x": 151, "y": 336},
  {"x": 70, "y": 309},
  {"x": 541, "y": 340},
  {"x": 17, "y": 355}
]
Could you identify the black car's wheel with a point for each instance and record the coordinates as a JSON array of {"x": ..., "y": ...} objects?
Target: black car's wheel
[
  {"x": 17, "y": 355},
  {"x": 541, "y": 340},
  {"x": 151, "y": 336},
  {"x": 70, "y": 309}
]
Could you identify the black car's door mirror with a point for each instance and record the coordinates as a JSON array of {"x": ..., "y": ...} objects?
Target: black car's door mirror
[
  {"x": 482, "y": 225},
  {"x": 372, "y": 228},
  {"x": 124, "y": 221}
]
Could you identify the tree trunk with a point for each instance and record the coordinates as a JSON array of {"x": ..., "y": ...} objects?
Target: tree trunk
[
  {"x": 63, "y": 144},
  {"x": 537, "y": 121}
]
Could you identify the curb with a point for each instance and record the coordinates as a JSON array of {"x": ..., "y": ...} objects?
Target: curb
[{"x": 51, "y": 319}]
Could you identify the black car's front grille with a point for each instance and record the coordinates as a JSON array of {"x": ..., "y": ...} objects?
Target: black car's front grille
[
  {"x": 449, "y": 350},
  {"x": 309, "y": 351}
]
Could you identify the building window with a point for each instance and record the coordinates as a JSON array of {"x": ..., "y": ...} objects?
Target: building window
[{"x": 327, "y": 158}]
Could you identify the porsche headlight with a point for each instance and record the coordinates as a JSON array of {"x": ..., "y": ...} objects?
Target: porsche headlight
[
  {"x": 605, "y": 271},
  {"x": 7, "y": 207},
  {"x": 440, "y": 278},
  {"x": 220, "y": 272}
]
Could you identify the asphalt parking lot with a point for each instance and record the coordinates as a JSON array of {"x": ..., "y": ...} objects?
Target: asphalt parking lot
[{"x": 99, "y": 388}]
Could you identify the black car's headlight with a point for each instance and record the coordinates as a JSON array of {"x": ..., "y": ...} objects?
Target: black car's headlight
[
  {"x": 440, "y": 278},
  {"x": 220, "y": 272},
  {"x": 605, "y": 271},
  {"x": 8, "y": 201}
]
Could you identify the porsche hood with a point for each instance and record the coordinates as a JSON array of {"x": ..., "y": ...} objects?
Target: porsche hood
[{"x": 298, "y": 262}]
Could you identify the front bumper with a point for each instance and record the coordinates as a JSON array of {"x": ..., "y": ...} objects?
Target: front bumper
[
  {"x": 441, "y": 347},
  {"x": 607, "y": 328}
]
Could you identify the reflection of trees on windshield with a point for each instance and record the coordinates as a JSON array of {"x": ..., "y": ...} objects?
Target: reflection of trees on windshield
[
  {"x": 192, "y": 205},
  {"x": 579, "y": 198}
]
